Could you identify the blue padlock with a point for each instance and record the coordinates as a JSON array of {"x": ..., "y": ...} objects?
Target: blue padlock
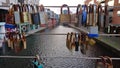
[
  {"x": 93, "y": 31},
  {"x": 37, "y": 64},
  {"x": 93, "y": 35},
  {"x": 11, "y": 26},
  {"x": 40, "y": 66}
]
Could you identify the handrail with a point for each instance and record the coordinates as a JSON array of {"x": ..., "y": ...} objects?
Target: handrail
[{"x": 32, "y": 57}]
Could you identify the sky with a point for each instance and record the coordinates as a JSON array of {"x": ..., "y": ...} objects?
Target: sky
[{"x": 61, "y": 2}]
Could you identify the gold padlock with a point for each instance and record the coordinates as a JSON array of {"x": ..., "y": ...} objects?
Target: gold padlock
[
  {"x": 68, "y": 41},
  {"x": 91, "y": 42},
  {"x": 24, "y": 41},
  {"x": 73, "y": 41},
  {"x": 25, "y": 13},
  {"x": 8, "y": 41}
]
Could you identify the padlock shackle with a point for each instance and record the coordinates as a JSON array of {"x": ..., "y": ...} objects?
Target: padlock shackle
[
  {"x": 11, "y": 9},
  {"x": 106, "y": 10},
  {"x": 71, "y": 36},
  {"x": 108, "y": 60},
  {"x": 68, "y": 35},
  {"x": 35, "y": 8},
  {"x": 65, "y": 5},
  {"x": 25, "y": 8},
  {"x": 103, "y": 60},
  {"x": 41, "y": 8},
  {"x": 29, "y": 8},
  {"x": 85, "y": 7},
  {"x": 100, "y": 10},
  {"x": 16, "y": 7},
  {"x": 91, "y": 8},
  {"x": 83, "y": 36},
  {"x": 79, "y": 11},
  {"x": 32, "y": 7}
]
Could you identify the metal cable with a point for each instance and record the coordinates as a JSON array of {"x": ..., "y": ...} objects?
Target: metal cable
[
  {"x": 31, "y": 57},
  {"x": 66, "y": 34},
  {"x": 69, "y": 6}
]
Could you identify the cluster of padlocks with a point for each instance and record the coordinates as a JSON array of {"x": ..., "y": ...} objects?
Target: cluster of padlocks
[
  {"x": 97, "y": 16},
  {"x": 104, "y": 62},
  {"x": 26, "y": 17},
  {"x": 76, "y": 41},
  {"x": 113, "y": 29},
  {"x": 22, "y": 19},
  {"x": 29, "y": 17},
  {"x": 15, "y": 41}
]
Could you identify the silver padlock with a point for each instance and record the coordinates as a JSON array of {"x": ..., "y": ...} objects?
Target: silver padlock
[{"x": 93, "y": 29}]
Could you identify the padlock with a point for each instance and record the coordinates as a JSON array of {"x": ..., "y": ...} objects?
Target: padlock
[
  {"x": 100, "y": 18},
  {"x": 70, "y": 46},
  {"x": 25, "y": 13},
  {"x": 76, "y": 41},
  {"x": 79, "y": 15},
  {"x": 72, "y": 41},
  {"x": 106, "y": 22},
  {"x": 112, "y": 29},
  {"x": 101, "y": 63},
  {"x": 17, "y": 47},
  {"x": 42, "y": 16},
  {"x": 35, "y": 15},
  {"x": 29, "y": 13},
  {"x": 24, "y": 28},
  {"x": 17, "y": 14},
  {"x": 79, "y": 38},
  {"x": 118, "y": 30},
  {"x": 24, "y": 41},
  {"x": 68, "y": 41},
  {"x": 86, "y": 41},
  {"x": 95, "y": 15},
  {"x": 15, "y": 42},
  {"x": 93, "y": 31},
  {"x": 11, "y": 40},
  {"x": 87, "y": 11},
  {"x": 65, "y": 17},
  {"x": 91, "y": 42},
  {"x": 20, "y": 43},
  {"x": 109, "y": 62},
  {"x": 90, "y": 15},
  {"x": 8, "y": 40},
  {"x": 84, "y": 15},
  {"x": 83, "y": 46},
  {"x": 10, "y": 17},
  {"x": 107, "y": 30},
  {"x": 37, "y": 63}
]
